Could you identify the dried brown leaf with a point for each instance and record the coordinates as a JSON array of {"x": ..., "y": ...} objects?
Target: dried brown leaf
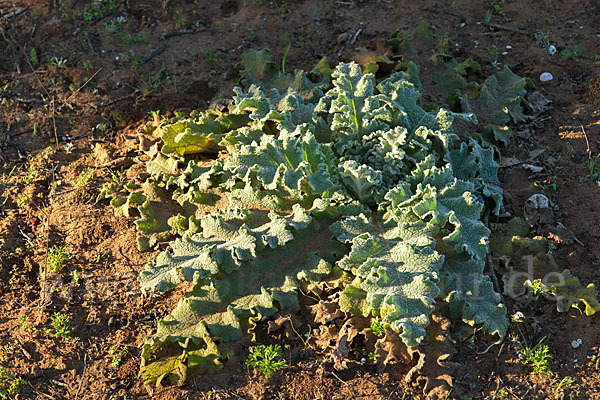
[{"x": 434, "y": 368}]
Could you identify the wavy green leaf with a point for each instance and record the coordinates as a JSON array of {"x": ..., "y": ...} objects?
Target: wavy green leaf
[{"x": 397, "y": 268}]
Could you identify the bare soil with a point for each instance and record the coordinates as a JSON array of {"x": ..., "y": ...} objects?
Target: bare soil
[{"x": 65, "y": 77}]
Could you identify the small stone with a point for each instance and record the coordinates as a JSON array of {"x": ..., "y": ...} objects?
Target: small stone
[
  {"x": 575, "y": 343},
  {"x": 111, "y": 321},
  {"x": 546, "y": 76},
  {"x": 341, "y": 39},
  {"x": 552, "y": 49}
]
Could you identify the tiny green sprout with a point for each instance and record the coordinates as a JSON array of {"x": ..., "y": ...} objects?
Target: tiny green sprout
[
  {"x": 267, "y": 359},
  {"x": 179, "y": 19},
  {"x": 57, "y": 257},
  {"x": 594, "y": 173},
  {"x": 23, "y": 199},
  {"x": 119, "y": 353},
  {"x": 58, "y": 61},
  {"x": 6, "y": 351},
  {"x": 210, "y": 55},
  {"x": 75, "y": 275},
  {"x": 552, "y": 247},
  {"x": 84, "y": 177},
  {"x": 538, "y": 289},
  {"x": 62, "y": 325},
  {"x": 575, "y": 53},
  {"x": 472, "y": 342},
  {"x": 372, "y": 356},
  {"x": 69, "y": 147},
  {"x": 29, "y": 328},
  {"x": 377, "y": 327},
  {"x": 33, "y": 57},
  {"x": 494, "y": 52},
  {"x": 10, "y": 385}
]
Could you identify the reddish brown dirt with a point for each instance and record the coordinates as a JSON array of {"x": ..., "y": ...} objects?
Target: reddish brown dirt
[{"x": 104, "y": 91}]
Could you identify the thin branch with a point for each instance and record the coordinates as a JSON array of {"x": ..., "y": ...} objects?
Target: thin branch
[
  {"x": 82, "y": 86},
  {"x": 152, "y": 54},
  {"x": 82, "y": 375},
  {"x": 589, "y": 151},
  {"x": 14, "y": 13},
  {"x": 504, "y": 28},
  {"x": 181, "y": 32}
]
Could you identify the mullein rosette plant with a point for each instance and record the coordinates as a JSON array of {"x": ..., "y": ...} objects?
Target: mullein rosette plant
[{"x": 344, "y": 176}]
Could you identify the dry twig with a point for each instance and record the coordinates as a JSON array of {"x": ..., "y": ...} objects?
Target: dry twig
[
  {"x": 153, "y": 54},
  {"x": 14, "y": 13},
  {"x": 505, "y": 28}
]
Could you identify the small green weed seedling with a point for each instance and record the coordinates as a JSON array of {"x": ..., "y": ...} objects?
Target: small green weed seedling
[
  {"x": 593, "y": 170},
  {"x": 76, "y": 277},
  {"x": 561, "y": 385},
  {"x": 117, "y": 177},
  {"x": 267, "y": 359},
  {"x": 10, "y": 385},
  {"x": 129, "y": 39},
  {"x": 538, "y": 356},
  {"x": 62, "y": 325},
  {"x": 28, "y": 327},
  {"x": 23, "y": 200},
  {"x": 179, "y": 19},
  {"x": 7, "y": 351},
  {"x": 69, "y": 147},
  {"x": 152, "y": 83},
  {"x": 59, "y": 62},
  {"x": 118, "y": 353},
  {"x": 36, "y": 164},
  {"x": 538, "y": 289},
  {"x": 210, "y": 55},
  {"x": 494, "y": 7},
  {"x": 96, "y": 9},
  {"x": 377, "y": 327},
  {"x": 33, "y": 57},
  {"x": 575, "y": 53},
  {"x": 57, "y": 257},
  {"x": 114, "y": 26},
  {"x": 84, "y": 177}
]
